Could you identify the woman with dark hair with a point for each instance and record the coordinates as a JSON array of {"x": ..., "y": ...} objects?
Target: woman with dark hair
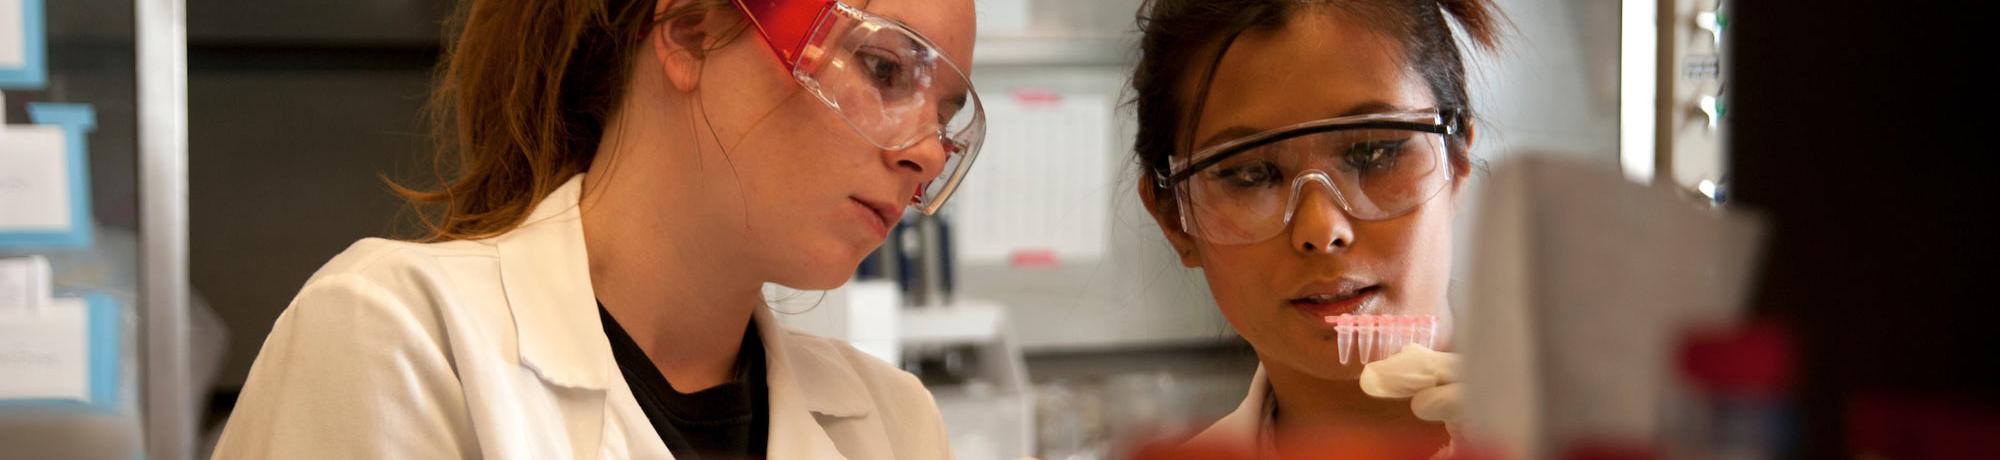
[
  {"x": 620, "y": 178},
  {"x": 1308, "y": 157}
]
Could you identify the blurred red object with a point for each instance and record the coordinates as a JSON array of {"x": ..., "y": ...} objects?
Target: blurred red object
[
  {"x": 1376, "y": 447},
  {"x": 1752, "y": 360},
  {"x": 1035, "y": 258},
  {"x": 1735, "y": 400},
  {"x": 1922, "y": 427}
]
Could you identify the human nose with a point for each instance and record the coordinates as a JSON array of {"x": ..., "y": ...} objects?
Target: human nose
[{"x": 1318, "y": 224}]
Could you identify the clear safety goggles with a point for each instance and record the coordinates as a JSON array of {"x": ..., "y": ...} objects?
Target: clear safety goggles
[
  {"x": 892, "y": 85},
  {"x": 1375, "y": 167}
]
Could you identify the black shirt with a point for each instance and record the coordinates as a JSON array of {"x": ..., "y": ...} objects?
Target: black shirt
[{"x": 727, "y": 421}]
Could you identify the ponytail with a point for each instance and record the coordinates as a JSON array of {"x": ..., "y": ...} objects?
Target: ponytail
[{"x": 522, "y": 99}]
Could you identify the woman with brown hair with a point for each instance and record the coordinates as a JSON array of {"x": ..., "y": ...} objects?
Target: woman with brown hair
[
  {"x": 625, "y": 176},
  {"x": 1307, "y": 156}
]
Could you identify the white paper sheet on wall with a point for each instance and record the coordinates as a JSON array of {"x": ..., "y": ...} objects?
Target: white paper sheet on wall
[
  {"x": 1040, "y": 190},
  {"x": 45, "y": 353},
  {"x": 13, "y": 35},
  {"x": 34, "y": 179},
  {"x": 24, "y": 283}
]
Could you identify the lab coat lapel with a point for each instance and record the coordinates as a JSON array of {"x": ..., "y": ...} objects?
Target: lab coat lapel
[
  {"x": 1243, "y": 428},
  {"x": 796, "y": 432},
  {"x": 547, "y": 277},
  {"x": 545, "y": 273}
]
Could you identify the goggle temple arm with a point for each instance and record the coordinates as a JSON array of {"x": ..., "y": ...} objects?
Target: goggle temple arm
[{"x": 787, "y": 26}]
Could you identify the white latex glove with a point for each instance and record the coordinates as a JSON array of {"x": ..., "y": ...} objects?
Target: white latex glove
[{"x": 1428, "y": 378}]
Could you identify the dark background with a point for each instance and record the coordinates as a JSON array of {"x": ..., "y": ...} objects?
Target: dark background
[
  {"x": 1862, "y": 131},
  {"x": 289, "y": 103}
]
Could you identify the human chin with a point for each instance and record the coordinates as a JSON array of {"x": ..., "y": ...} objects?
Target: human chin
[{"x": 820, "y": 262}]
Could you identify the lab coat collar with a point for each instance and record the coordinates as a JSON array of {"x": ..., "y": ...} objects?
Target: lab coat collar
[
  {"x": 827, "y": 381},
  {"x": 545, "y": 272},
  {"x": 1243, "y": 429},
  {"x": 803, "y": 387}
]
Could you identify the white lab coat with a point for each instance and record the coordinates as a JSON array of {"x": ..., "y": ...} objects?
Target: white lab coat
[
  {"x": 494, "y": 349},
  {"x": 1249, "y": 427}
]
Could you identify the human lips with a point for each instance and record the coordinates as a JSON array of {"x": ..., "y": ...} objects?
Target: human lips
[
  {"x": 1347, "y": 295},
  {"x": 881, "y": 215}
]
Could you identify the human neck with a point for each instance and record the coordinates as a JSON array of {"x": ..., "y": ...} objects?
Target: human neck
[
  {"x": 672, "y": 284},
  {"x": 1314, "y": 412}
]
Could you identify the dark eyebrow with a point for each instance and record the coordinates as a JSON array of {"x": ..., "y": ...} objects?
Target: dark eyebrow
[
  {"x": 1227, "y": 134},
  {"x": 1372, "y": 107},
  {"x": 1238, "y": 131}
]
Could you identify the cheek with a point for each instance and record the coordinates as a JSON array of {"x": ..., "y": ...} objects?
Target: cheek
[
  {"x": 1423, "y": 261},
  {"x": 751, "y": 100},
  {"x": 1244, "y": 279},
  {"x": 799, "y": 148}
]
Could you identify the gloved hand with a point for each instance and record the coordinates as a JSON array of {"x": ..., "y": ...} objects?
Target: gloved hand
[{"x": 1428, "y": 378}]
